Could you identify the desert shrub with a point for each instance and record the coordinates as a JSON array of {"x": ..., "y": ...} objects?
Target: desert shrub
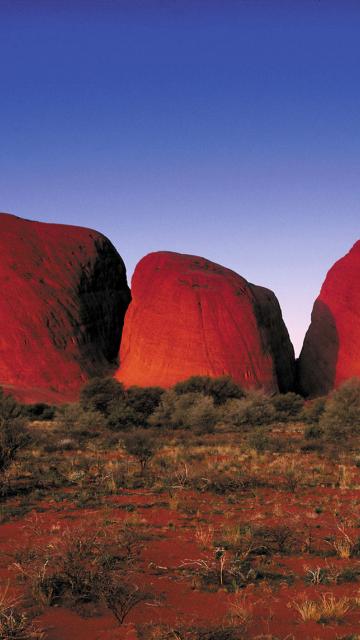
[
  {"x": 14, "y": 623},
  {"x": 313, "y": 410},
  {"x": 143, "y": 401},
  {"x": 287, "y": 406},
  {"x": 313, "y": 432},
  {"x": 259, "y": 440},
  {"x": 133, "y": 408},
  {"x": 277, "y": 539},
  {"x": 342, "y": 410},
  {"x": 86, "y": 566},
  {"x": 187, "y": 411},
  {"x": 252, "y": 410},
  {"x": 13, "y": 437},
  {"x": 38, "y": 411},
  {"x": 9, "y": 407},
  {"x": 122, "y": 417},
  {"x": 202, "y": 416},
  {"x": 89, "y": 423},
  {"x": 119, "y": 596},
  {"x": 165, "y": 413},
  {"x": 142, "y": 445},
  {"x": 13, "y": 433},
  {"x": 220, "y": 389},
  {"x": 157, "y": 632},
  {"x": 77, "y": 421},
  {"x": 99, "y": 394}
]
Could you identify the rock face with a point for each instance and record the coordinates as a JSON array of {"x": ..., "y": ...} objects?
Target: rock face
[
  {"x": 189, "y": 316},
  {"x": 331, "y": 350},
  {"x": 62, "y": 303}
]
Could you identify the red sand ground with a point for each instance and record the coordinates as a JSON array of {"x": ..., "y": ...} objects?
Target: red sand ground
[{"x": 173, "y": 543}]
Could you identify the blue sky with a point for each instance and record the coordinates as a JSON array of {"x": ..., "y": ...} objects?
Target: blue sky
[{"x": 225, "y": 129}]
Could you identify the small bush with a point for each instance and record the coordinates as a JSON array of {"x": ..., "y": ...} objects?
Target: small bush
[
  {"x": 259, "y": 440},
  {"x": 122, "y": 418},
  {"x": 9, "y": 407},
  {"x": 39, "y": 411},
  {"x": 142, "y": 446},
  {"x": 313, "y": 432},
  {"x": 13, "y": 437},
  {"x": 143, "y": 401},
  {"x": 186, "y": 411},
  {"x": 313, "y": 410},
  {"x": 220, "y": 389},
  {"x": 342, "y": 410},
  {"x": 77, "y": 421},
  {"x": 253, "y": 410},
  {"x": 287, "y": 406},
  {"x": 86, "y": 566},
  {"x": 14, "y": 623},
  {"x": 133, "y": 408},
  {"x": 100, "y": 393}
]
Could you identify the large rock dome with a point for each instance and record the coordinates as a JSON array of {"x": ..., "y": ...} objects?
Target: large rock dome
[
  {"x": 331, "y": 350},
  {"x": 62, "y": 302},
  {"x": 190, "y": 316}
]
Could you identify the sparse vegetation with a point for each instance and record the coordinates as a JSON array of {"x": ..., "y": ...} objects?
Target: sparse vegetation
[
  {"x": 155, "y": 491},
  {"x": 142, "y": 446},
  {"x": 14, "y": 623},
  {"x": 341, "y": 416}
]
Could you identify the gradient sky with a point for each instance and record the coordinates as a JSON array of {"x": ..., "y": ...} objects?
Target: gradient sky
[{"x": 224, "y": 129}]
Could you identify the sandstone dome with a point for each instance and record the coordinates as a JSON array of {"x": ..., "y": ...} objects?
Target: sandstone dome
[
  {"x": 331, "y": 350},
  {"x": 63, "y": 298},
  {"x": 190, "y": 316}
]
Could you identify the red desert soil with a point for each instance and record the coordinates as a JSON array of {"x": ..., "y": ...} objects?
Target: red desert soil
[
  {"x": 173, "y": 548},
  {"x": 63, "y": 299},
  {"x": 190, "y": 316},
  {"x": 331, "y": 351}
]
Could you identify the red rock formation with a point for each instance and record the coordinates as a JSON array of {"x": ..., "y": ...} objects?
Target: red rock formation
[
  {"x": 189, "y": 316},
  {"x": 331, "y": 350},
  {"x": 63, "y": 299}
]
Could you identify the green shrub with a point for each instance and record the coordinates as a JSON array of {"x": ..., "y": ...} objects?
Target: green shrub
[
  {"x": 253, "y": 410},
  {"x": 143, "y": 401},
  {"x": 13, "y": 434},
  {"x": 313, "y": 410},
  {"x": 287, "y": 406},
  {"x": 313, "y": 432},
  {"x": 202, "y": 415},
  {"x": 185, "y": 411},
  {"x": 75, "y": 420},
  {"x": 259, "y": 440},
  {"x": 122, "y": 418},
  {"x": 134, "y": 408},
  {"x": 342, "y": 410},
  {"x": 99, "y": 394},
  {"x": 220, "y": 389},
  {"x": 13, "y": 437},
  {"x": 39, "y": 411},
  {"x": 141, "y": 445},
  {"x": 9, "y": 407}
]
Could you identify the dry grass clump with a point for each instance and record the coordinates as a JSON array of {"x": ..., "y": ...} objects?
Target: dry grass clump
[
  {"x": 204, "y": 536},
  {"x": 241, "y": 610},
  {"x": 14, "y": 623},
  {"x": 327, "y": 608},
  {"x": 181, "y": 632}
]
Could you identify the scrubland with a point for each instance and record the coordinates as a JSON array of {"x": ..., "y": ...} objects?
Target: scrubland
[{"x": 199, "y": 513}]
